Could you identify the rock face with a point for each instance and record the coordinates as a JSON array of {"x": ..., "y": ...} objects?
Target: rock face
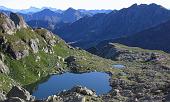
[
  {"x": 47, "y": 35},
  {"x": 33, "y": 45},
  {"x": 20, "y": 54},
  {"x": 6, "y": 24},
  {"x": 19, "y": 45},
  {"x": 18, "y": 20},
  {"x": 18, "y": 49},
  {"x": 21, "y": 93},
  {"x": 3, "y": 68}
]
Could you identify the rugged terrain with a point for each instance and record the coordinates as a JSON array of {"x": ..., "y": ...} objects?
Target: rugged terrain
[{"x": 28, "y": 55}]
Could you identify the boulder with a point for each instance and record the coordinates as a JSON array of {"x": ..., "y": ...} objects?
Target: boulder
[
  {"x": 20, "y": 54},
  {"x": 18, "y": 21},
  {"x": 73, "y": 97},
  {"x": 83, "y": 91},
  {"x": 77, "y": 94},
  {"x": 3, "y": 68},
  {"x": 6, "y": 24},
  {"x": 54, "y": 98},
  {"x": 20, "y": 92},
  {"x": 33, "y": 45}
]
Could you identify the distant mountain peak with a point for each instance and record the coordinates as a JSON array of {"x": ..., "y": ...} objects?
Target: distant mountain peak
[
  {"x": 134, "y": 5},
  {"x": 70, "y": 10},
  {"x": 152, "y": 5},
  {"x": 47, "y": 11},
  {"x": 157, "y": 6}
]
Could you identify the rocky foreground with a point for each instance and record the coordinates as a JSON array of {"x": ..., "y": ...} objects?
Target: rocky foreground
[{"x": 76, "y": 94}]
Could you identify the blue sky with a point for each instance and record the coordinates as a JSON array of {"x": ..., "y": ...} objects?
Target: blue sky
[{"x": 79, "y": 4}]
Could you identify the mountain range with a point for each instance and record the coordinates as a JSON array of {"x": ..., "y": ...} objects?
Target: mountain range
[
  {"x": 88, "y": 31},
  {"x": 155, "y": 38},
  {"x": 49, "y": 19}
]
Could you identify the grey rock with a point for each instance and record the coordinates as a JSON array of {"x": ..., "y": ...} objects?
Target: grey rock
[
  {"x": 18, "y": 50},
  {"x": 52, "y": 42},
  {"x": 2, "y": 57},
  {"x": 20, "y": 54},
  {"x": 18, "y": 20},
  {"x": 73, "y": 97},
  {"x": 54, "y": 98},
  {"x": 6, "y": 24},
  {"x": 2, "y": 97},
  {"x": 3, "y": 68},
  {"x": 33, "y": 45},
  {"x": 45, "y": 49},
  {"x": 20, "y": 92},
  {"x": 83, "y": 91}
]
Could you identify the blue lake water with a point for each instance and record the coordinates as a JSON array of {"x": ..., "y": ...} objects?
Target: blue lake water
[
  {"x": 119, "y": 66},
  {"x": 97, "y": 81}
]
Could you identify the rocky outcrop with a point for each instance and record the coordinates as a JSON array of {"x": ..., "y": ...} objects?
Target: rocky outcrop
[
  {"x": 47, "y": 35},
  {"x": 6, "y": 25},
  {"x": 21, "y": 93},
  {"x": 18, "y": 21},
  {"x": 122, "y": 53},
  {"x": 76, "y": 94},
  {"x": 18, "y": 49},
  {"x": 54, "y": 98},
  {"x": 3, "y": 68},
  {"x": 83, "y": 91},
  {"x": 33, "y": 45},
  {"x": 20, "y": 54}
]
